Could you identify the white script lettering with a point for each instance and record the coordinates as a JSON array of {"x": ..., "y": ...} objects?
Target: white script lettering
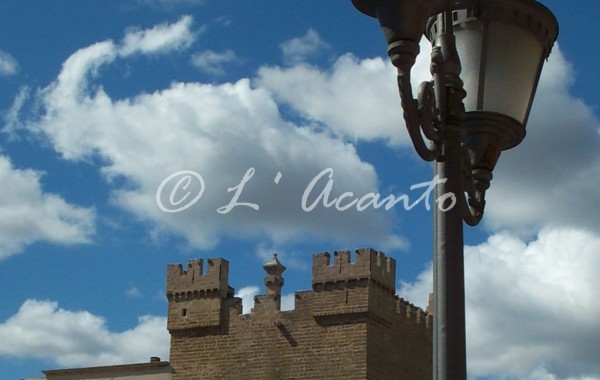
[
  {"x": 184, "y": 180},
  {"x": 238, "y": 190},
  {"x": 371, "y": 199}
]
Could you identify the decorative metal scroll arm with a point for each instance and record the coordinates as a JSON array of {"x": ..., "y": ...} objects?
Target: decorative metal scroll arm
[
  {"x": 475, "y": 183},
  {"x": 422, "y": 116}
]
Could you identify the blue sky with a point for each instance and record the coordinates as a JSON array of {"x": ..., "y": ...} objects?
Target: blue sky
[{"x": 102, "y": 101}]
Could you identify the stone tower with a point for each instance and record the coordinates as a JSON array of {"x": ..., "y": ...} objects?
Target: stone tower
[
  {"x": 273, "y": 284},
  {"x": 350, "y": 326},
  {"x": 199, "y": 302}
]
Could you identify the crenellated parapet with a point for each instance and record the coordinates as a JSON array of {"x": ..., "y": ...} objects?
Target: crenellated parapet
[
  {"x": 369, "y": 265},
  {"x": 194, "y": 282},
  {"x": 351, "y": 321},
  {"x": 413, "y": 313},
  {"x": 200, "y": 301}
]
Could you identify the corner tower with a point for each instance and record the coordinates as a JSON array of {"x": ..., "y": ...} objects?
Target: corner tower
[{"x": 198, "y": 301}]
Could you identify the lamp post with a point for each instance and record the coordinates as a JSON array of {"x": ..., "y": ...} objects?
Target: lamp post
[{"x": 486, "y": 62}]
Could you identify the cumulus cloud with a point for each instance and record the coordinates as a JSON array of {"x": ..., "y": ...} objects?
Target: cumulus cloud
[
  {"x": 357, "y": 99},
  {"x": 247, "y": 295},
  {"x": 8, "y": 64},
  {"x": 532, "y": 299},
  {"x": 547, "y": 180},
  {"x": 28, "y": 215},
  {"x": 212, "y": 62},
  {"x": 159, "y": 39},
  {"x": 291, "y": 259},
  {"x": 78, "y": 338},
  {"x": 531, "y": 306},
  {"x": 11, "y": 116},
  {"x": 221, "y": 134},
  {"x": 297, "y": 50},
  {"x": 418, "y": 292}
]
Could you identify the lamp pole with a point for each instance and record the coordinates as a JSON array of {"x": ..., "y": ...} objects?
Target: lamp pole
[
  {"x": 449, "y": 286},
  {"x": 503, "y": 43}
]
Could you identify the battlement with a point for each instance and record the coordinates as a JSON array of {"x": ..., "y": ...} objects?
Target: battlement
[
  {"x": 193, "y": 280},
  {"x": 350, "y": 326},
  {"x": 369, "y": 265},
  {"x": 199, "y": 301},
  {"x": 413, "y": 313}
]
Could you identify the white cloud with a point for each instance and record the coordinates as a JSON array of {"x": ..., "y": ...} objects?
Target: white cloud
[
  {"x": 247, "y": 295},
  {"x": 78, "y": 338},
  {"x": 356, "y": 99},
  {"x": 159, "y": 39},
  {"x": 133, "y": 292},
  {"x": 218, "y": 131},
  {"x": 288, "y": 302},
  {"x": 212, "y": 62},
  {"x": 28, "y": 215},
  {"x": 543, "y": 374},
  {"x": 74, "y": 77},
  {"x": 8, "y": 64},
  {"x": 290, "y": 259},
  {"x": 11, "y": 116},
  {"x": 531, "y": 306},
  {"x": 418, "y": 291},
  {"x": 298, "y": 50},
  {"x": 236, "y": 126},
  {"x": 550, "y": 179}
]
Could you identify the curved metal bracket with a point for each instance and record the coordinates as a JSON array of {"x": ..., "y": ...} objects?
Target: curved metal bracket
[
  {"x": 473, "y": 206},
  {"x": 419, "y": 119},
  {"x": 423, "y": 116},
  {"x": 475, "y": 184},
  {"x": 428, "y": 112}
]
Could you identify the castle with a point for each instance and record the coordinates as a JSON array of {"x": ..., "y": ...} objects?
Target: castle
[{"x": 351, "y": 325}]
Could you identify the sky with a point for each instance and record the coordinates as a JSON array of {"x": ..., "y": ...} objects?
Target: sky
[{"x": 107, "y": 107}]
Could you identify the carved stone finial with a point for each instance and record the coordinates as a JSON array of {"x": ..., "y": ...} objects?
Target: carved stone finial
[{"x": 274, "y": 279}]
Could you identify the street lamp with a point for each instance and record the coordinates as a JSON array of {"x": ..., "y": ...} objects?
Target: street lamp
[{"x": 468, "y": 120}]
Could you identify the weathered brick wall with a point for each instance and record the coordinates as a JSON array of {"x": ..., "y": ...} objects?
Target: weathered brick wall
[
  {"x": 350, "y": 326},
  {"x": 283, "y": 345},
  {"x": 401, "y": 349}
]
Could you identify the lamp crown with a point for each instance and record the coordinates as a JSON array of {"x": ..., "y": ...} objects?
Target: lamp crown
[
  {"x": 402, "y": 19},
  {"x": 403, "y": 24}
]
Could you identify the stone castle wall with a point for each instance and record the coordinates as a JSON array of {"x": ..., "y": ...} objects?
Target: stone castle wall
[{"x": 351, "y": 325}]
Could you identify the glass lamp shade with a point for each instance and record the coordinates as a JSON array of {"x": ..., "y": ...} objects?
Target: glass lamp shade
[{"x": 502, "y": 45}]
